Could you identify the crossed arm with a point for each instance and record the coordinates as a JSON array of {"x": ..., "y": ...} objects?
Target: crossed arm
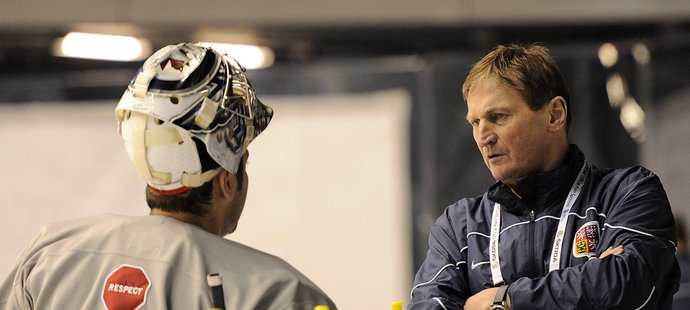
[{"x": 483, "y": 299}]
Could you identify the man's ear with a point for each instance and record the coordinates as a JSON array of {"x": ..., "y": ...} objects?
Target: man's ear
[
  {"x": 227, "y": 183},
  {"x": 558, "y": 114}
]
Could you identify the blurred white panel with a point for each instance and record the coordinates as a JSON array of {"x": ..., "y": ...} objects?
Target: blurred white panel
[
  {"x": 60, "y": 161},
  {"x": 330, "y": 193}
]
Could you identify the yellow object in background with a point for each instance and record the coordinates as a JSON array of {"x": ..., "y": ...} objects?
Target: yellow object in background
[
  {"x": 321, "y": 307},
  {"x": 396, "y": 305}
]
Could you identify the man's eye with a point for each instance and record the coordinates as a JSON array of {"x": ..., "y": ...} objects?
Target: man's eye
[
  {"x": 499, "y": 117},
  {"x": 473, "y": 123}
]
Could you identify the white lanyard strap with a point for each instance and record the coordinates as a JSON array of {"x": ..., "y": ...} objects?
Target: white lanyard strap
[
  {"x": 555, "y": 261},
  {"x": 494, "y": 261}
]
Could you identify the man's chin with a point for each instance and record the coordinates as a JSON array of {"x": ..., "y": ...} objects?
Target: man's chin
[
  {"x": 503, "y": 177},
  {"x": 497, "y": 175}
]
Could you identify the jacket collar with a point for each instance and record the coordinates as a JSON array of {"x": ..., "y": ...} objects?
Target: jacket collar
[{"x": 539, "y": 189}]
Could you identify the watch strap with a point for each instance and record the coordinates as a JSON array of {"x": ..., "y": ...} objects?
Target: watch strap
[{"x": 501, "y": 295}]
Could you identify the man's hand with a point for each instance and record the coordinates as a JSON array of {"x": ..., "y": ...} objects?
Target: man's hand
[
  {"x": 483, "y": 300},
  {"x": 611, "y": 250}
]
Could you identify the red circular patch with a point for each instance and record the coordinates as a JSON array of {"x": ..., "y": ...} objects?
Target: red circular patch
[{"x": 126, "y": 288}]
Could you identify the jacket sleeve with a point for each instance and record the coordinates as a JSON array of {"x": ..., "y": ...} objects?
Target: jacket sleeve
[
  {"x": 645, "y": 276},
  {"x": 441, "y": 281}
]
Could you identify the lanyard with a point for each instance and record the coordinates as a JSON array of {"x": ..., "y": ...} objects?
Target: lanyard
[
  {"x": 555, "y": 260},
  {"x": 494, "y": 261}
]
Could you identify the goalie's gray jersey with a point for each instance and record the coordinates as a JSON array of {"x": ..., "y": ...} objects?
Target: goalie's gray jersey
[{"x": 150, "y": 262}]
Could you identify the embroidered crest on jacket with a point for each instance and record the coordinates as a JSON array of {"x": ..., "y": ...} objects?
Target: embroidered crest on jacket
[{"x": 586, "y": 240}]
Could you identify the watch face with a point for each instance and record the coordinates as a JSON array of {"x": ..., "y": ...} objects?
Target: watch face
[{"x": 498, "y": 307}]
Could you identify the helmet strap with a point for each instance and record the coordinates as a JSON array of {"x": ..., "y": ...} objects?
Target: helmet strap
[{"x": 171, "y": 192}]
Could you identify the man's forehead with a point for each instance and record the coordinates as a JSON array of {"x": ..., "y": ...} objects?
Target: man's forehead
[
  {"x": 493, "y": 96},
  {"x": 486, "y": 104}
]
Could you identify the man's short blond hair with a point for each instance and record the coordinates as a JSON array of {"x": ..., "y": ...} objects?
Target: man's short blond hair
[{"x": 530, "y": 70}]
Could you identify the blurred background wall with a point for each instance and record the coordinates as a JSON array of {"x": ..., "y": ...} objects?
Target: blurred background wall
[{"x": 371, "y": 88}]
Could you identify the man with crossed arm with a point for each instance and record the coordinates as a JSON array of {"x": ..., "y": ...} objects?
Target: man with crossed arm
[{"x": 554, "y": 231}]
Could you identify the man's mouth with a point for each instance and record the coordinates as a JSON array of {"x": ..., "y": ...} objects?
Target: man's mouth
[{"x": 493, "y": 156}]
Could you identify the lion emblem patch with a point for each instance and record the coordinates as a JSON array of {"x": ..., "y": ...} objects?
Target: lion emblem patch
[{"x": 586, "y": 240}]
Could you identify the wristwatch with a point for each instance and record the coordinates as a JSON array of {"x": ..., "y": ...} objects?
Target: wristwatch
[{"x": 500, "y": 299}]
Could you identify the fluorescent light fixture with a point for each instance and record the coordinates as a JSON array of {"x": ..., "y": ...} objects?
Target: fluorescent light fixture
[
  {"x": 250, "y": 56},
  {"x": 101, "y": 47}
]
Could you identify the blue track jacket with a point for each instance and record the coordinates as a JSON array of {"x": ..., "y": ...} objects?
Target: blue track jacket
[{"x": 625, "y": 207}]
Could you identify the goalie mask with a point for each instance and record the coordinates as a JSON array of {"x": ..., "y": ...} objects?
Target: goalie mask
[{"x": 188, "y": 102}]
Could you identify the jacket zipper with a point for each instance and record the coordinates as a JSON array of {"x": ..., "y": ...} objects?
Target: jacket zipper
[{"x": 532, "y": 262}]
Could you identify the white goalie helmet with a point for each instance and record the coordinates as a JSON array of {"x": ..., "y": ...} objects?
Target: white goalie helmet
[{"x": 188, "y": 100}]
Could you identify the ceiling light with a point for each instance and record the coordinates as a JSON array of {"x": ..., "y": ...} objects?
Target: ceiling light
[
  {"x": 101, "y": 47},
  {"x": 608, "y": 55},
  {"x": 615, "y": 89},
  {"x": 250, "y": 56},
  {"x": 641, "y": 53},
  {"x": 633, "y": 119}
]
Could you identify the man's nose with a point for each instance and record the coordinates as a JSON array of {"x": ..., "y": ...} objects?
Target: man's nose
[{"x": 485, "y": 134}]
